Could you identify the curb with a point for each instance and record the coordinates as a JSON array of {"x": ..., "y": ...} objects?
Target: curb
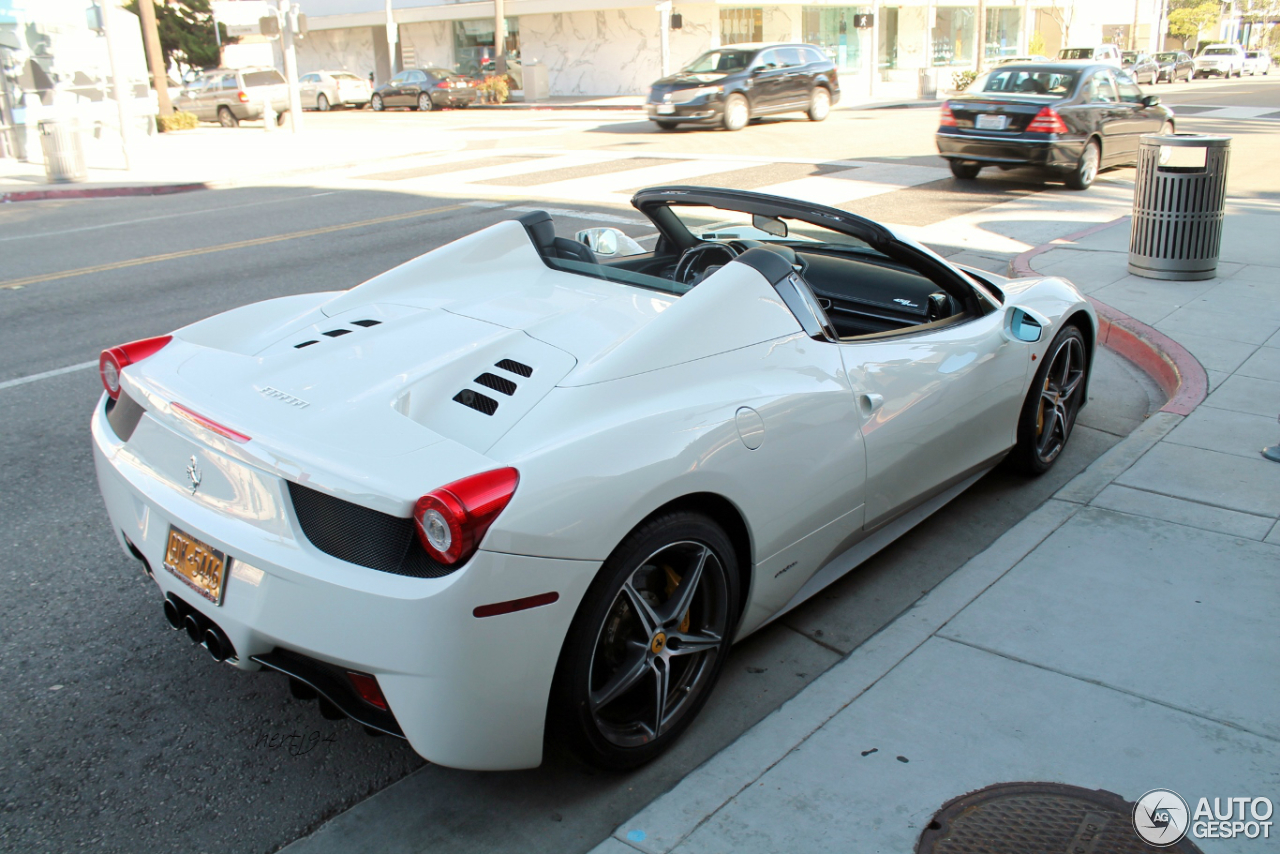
[
  {"x": 102, "y": 192},
  {"x": 536, "y": 106},
  {"x": 1178, "y": 373}
]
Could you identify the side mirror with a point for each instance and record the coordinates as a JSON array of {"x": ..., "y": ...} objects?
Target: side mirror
[
  {"x": 1150, "y": 100},
  {"x": 1023, "y": 325},
  {"x": 609, "y": 242}
]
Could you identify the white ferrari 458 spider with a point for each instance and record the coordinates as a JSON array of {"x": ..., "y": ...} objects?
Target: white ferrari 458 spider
[{"x": 525, "y": 486}]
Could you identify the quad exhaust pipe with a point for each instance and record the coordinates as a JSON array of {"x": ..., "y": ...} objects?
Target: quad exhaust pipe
[{"x": 199, "y": 628}]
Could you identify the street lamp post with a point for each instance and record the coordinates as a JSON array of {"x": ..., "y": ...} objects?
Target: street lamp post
[{"x": 117, "y": 78}]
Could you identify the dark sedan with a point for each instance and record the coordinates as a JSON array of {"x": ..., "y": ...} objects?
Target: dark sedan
[
  {"x": 1176, "y": 65},
  {"x": 1069, "y": 119},
  {"x": 730, "y": 86},
  {"x": 1141, "y": 67},
  {"x": 424, "y": 89}
]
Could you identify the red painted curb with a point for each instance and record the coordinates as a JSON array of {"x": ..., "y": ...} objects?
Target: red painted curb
[
  {"x": 1179, "y": 374},
  {"x": 100, "y": 192}
]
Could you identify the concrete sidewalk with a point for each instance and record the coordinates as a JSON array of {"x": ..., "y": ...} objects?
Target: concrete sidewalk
[{"x": 1125, "y": 636}]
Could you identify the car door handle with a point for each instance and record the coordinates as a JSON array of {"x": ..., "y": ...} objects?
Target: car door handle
[{"x": 868, "y": 404}]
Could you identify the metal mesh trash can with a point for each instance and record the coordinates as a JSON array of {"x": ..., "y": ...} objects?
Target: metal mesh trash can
[
  {"x": 63, "y": 147},
  {"x": 1178, "y": 204}
]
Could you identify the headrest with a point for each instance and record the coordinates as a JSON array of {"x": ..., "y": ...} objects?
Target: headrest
[{"x": 540, "y": 227}]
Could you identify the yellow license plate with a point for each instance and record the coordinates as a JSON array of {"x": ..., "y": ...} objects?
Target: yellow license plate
[{"x": 199, "y": 564}]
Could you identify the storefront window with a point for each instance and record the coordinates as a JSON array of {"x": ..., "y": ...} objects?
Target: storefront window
[
  {"x": 1004, "y": 27},
  {"x": 955, "y": 35},
  {"x": 888, "y": 37},
  {"x": 738, "y": 26},
  {"x": 473, "y": 45},
  {"x": 831, "y": 28}
]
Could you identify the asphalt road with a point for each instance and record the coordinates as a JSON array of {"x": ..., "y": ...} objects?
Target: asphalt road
[{"x": 119, "y": 736}]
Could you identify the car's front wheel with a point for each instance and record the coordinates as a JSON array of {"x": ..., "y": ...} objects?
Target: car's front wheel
[
  {"x": 737, "y": 112},
  {"x": 965, "y": 170},
  {"x": 1081, "y": 178},
  {"x": 665, "y": 125},
  {"x": 819, "y": 104},
  {"x": 375, "y": 103},
  {"x": 1049, "y": 412},
  {"x": 322, "y": 103},
  {"x": 424, "y": 102},
  {"x": 648, "y": 642}
]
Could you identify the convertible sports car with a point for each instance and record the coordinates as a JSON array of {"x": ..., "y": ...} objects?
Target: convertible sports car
[{"x": 518, "y": 488}]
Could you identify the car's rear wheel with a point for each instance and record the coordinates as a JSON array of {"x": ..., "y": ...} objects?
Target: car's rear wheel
[
  {"x": 965, "y": 170},
  {"x": 1049, "y": 412},
  {"x": 281, "y": 118},
  {"x": 737, "y": 112},
  {"x": 819, "y": 104},
  {"x": 1166, "y": 129},
  {"x": 666, "y": 125},
  {"x": 227, "y": 119},
  {"x": 322, "y": 103},
  {"x": 648, "y": 642},
  {"x": 1081, "y": 178},
  {"x": 424, "y": 102},
  {"x": 375, "y": 103}
]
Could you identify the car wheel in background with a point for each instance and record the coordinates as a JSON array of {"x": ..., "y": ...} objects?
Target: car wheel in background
[
  {"x": 648, "y": 642},
  {"x": 322, "y": 103},
  {"x": 965, "y": 170},
  {"x": 662, "y": 125},
  {"x": 375, "y": 103},
  {"x": 424, "y": 102},
  {"x": 1081, "y": 178},
  {"x": 1166, "y": 129},
  {"x": 227, "y": 119},
  {"x": 281, "y": 118},
  {"x": 819, "y": 104},
  {"x": 1049, "y": 412},
  {"x": 737, "y": 112}
]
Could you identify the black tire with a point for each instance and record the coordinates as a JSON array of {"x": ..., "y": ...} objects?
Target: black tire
[
  {"x": 226, "y": 118},
  {"x": 819, "y": 104},
  {"x": 425, "y": 104},
  {"x": 1082, "y": 177},
  {"x": 663, "y": 125},
  {"x": 375, "y": 104},
  {"x": 281, "y": 118},
  {"x": 630, "y": 639},
  {"x": 964, "y": 170},
  {"x": 737, "y": 112},
  {"x": 1053, "y": 402},
  {"x": 322, "y": 103}
]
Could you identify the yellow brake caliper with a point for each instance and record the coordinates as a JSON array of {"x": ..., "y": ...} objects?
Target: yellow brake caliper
[{"x": 673, "y": 581}]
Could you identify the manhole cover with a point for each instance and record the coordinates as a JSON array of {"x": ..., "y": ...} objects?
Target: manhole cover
[{"x": 1038, "y": 818}]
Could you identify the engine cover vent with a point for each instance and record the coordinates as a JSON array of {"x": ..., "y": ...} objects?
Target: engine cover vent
[
  {"x": 497, "y": 383},
  {"x": 365, "y": 323},
  {"x": 477, "y": 401},
  {"x": 334, "y": 333},
  {"x": 515, "y": 367}
]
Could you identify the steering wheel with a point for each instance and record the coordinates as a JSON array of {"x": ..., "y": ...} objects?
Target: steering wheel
[{"x": 696, "y": 260}]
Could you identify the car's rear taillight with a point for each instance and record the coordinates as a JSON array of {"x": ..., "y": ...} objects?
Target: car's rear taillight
[
  {"x": 1047, "y": 121},
  {"x": 452, "y": 520},
  {"x": 115, "y": 360},
  {"x": 243, "y": 96},
  {"x": 443, "y": 84},
  {"x": 947, "y": 119}
]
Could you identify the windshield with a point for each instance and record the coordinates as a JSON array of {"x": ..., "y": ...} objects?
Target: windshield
[
  {"x": 1128, "y": 56},
  {"x": 346, "y": 76},
  {"x": 1218, "y": 51},
  {"x": 722, "y": 225},
  {"x": 1167, "y": 57},
  {"x": 1026, "y": 81},
  {"x": 1076, "y": 53},
  {"x": 721, "y": 61}
]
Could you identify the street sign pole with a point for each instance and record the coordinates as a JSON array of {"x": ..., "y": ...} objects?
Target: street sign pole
[
  {"x": 117, "y": 77},
  {"x": 664, "y": 24},
  {"x": 288, "y": 22}
]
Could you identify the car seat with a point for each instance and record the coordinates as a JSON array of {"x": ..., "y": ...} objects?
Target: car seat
[{"x": 542, "y": 232}]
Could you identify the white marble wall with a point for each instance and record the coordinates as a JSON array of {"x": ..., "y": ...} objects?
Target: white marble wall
[
  {"x": 337, "y": 50},
  {"x": 432, "y": 42}
]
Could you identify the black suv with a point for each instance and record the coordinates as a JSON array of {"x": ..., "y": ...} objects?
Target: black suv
[{"x": 732, "y": 85}]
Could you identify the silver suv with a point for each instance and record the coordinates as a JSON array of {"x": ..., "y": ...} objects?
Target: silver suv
[
  {"x": 229, "y": 96},
  {"x": 1224, "y": 59}
]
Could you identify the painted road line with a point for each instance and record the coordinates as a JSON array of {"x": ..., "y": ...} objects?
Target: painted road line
[
  {"x": 14, "y": 284},
  {"x": 56, "y": 372}
]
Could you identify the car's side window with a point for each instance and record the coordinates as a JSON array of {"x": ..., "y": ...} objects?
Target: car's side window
[
  {"x": 417, "y": 77},
  {"x": 812, "y": 54},
  {"x": 1129, "y": 91},
  {"x": 399, "y": 79},
  {"x": 790, "y": 57},
  {"x": 311, "y": 78},
  {"x": 1102, "y": 89},
  {"x": 229, "y": 82},
  {"x": 768, "y": 60}
]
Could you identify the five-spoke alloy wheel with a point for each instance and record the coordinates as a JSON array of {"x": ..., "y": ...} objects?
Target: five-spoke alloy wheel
[
  {"x": 648, "y": 642},
  {"x": 1051, "y": 406}
]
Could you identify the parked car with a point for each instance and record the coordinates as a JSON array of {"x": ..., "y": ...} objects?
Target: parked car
[
  {"x": 1257, "y": 62},
  {"x": 1141, "y": 67},
  {"x": 1226, "y": 60},
  {"x": 511, "y": 489},
  {"x": 1107, "y": 54},
  {"x": 425, "y": 89},
  {"x": 327, "y": 89},
  {"x": 730, "y": 86},
  {"x": 1020, "y": 60},
  {"x": 1176, "y": 65},
  {"x": 1068, "y": 119},
  {"x": 233, "y": 95}
]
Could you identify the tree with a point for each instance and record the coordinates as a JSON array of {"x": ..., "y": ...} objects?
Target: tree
[
  {"x": 1063, "y": 12},
  {"x": 187, "y": 38},
  {"x": 1186, "y": 23}
]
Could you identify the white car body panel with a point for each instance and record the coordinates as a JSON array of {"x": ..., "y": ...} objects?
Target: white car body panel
[{"x": 637, "y": 399}]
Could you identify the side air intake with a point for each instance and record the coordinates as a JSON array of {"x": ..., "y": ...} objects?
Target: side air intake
[
  {"x": 477, "y": 401},
  {"x": 515, "y": 367}
]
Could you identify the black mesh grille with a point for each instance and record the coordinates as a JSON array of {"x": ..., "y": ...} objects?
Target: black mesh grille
[
  {"x": 123, "y": 415},
  {"x": 497, "y": 383},
  {"x": 477, "y": 401},
  {"x": 515, "y": 367},
  {"x": 363, "y": 536}
]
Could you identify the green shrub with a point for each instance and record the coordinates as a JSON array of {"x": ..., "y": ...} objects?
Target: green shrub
[
  {"x": 962, "y": 79},
  {"x": 494, "y": 89},
  {"x": 178, "y": 121}
]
